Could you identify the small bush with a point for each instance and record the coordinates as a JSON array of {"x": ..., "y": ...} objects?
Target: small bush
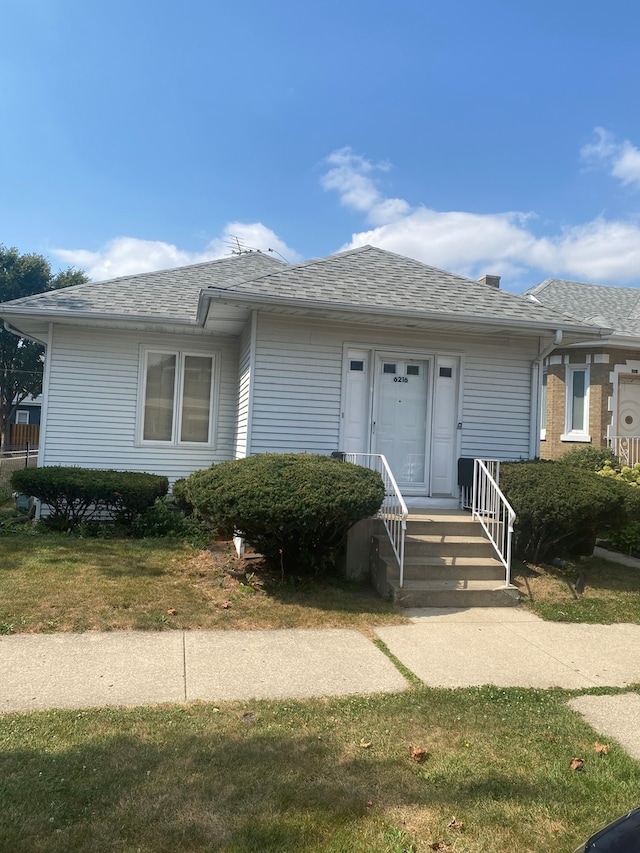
[
  {"x": 560, "y": 508},
  {"x": 626, "y": 540},
  {"x": 179, "y": 492},
  {"x": 77, "y": 496},
  {"x": 165, "y": 518},
  {"x": 589, "y": 458},
  {"x": 295, "y": 509}
]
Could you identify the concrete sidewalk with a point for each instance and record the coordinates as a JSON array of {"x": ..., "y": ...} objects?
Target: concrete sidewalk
[{"x": 443, "y": 648}]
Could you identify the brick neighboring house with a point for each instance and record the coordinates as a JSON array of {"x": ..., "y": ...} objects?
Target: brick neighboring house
[{"x": 591, "y": 390}]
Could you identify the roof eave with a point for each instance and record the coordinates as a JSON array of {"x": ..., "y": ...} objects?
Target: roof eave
[
  {"x": 212, "y": 294},
  {"x": 52, "y": 316}
]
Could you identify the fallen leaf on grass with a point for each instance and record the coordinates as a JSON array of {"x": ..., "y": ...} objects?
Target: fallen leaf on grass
[
  {"x": 366, "y": 744},
  {"x": 576, "y": 764},
  {"x": 247, "y": 717},
  {"x": 601, "y": 748},
  {"x": 225, "y": 605},
  {"x": 455, "y": 824},
  {"x": 418, "y": 753},
  {"x": 438, "y": 845},
  {"x": 172, "y": 611}
]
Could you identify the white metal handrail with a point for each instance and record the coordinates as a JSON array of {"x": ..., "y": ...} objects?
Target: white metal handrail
[
  {"x": 393, "y": 511},
  {"x": 626, "y": 448},
  {"x": 493, "y": 510}
]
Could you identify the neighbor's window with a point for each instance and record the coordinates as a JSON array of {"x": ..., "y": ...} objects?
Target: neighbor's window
[
  {"x": 22, "y": 417},
  {"x": 576, "y": 426},
  {"x": 177, "y": 397}
]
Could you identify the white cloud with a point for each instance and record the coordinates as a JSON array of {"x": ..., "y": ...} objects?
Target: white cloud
[
  {"x": 498, "y": 243},
  {"x": 351, "y": 176},
  {"x": 130, "y": 255},
  {"x": 622, "y": 159}
]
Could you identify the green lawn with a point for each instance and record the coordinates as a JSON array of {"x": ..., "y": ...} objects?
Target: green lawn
[
  {"x": 326, "y": 776},
  {"x": 56, "y": 582},
  {"x": 611, "y": 592}
]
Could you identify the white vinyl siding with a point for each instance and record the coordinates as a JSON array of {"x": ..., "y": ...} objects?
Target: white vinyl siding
[
  {"x": 496, "y": 415},
  {"x": 244, "y": 391},
  {"x": 297, "y": 392},
  {"x": 93, "y": 401}
]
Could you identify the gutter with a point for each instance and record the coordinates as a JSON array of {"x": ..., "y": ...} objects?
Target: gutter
[{"x": 9, "y": 328}]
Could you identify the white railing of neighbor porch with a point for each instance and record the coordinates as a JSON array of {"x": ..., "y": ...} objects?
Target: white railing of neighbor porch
[
  {"x": 626, "y": 448},
  {"x": 393, "y": 511},
  {"x": 493, "y": 510}
]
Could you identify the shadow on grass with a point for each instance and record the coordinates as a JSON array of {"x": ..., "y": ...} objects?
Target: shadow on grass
[
  {"x": 268, "y": 792},
  {"x": 332, "y": 593}
]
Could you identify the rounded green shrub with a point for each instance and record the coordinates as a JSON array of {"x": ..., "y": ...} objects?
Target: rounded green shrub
[
  {"x": 590, "y": 458},
  {"x": 295, "y": 509},
  {"x": 561, "y": 508}
]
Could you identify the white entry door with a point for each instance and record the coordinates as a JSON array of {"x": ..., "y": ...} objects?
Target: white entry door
[{"x": 400, "y": 427}]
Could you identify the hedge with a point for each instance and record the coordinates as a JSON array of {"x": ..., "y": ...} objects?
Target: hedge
[
  {"x": 80, "y": 495},
  {"x": 561, "y": 508},
  {"x": 295, "y": 509}
]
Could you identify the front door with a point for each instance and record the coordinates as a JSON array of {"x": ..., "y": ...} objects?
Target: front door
[
  {"x": 404, "y": 406},
  {"x": 400, "y": 422}
]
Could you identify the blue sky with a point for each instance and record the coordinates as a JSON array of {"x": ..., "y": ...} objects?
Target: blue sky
[{"x": 500, "y": 137}]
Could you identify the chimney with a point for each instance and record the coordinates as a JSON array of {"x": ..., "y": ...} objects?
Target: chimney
[{"x": 491, "y": 280}]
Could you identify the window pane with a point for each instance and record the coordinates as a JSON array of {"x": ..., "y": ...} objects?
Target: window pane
[
  {"x": 577, "y": 407},
  {"x": 196, "y": 398},
  {"x": 159, "y": 397}
]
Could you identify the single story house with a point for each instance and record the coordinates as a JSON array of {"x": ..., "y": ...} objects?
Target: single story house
[
  {"x": 591, "y": 389},
  {"x": 362, "y": 351}
]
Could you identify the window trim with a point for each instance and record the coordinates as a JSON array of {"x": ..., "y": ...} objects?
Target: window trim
[
  {"x": 22, "y": 413},
  {"x": 178, "y": 400},
  {"x": 571, "y": 434},
  {"x": 544, "y": 404}
]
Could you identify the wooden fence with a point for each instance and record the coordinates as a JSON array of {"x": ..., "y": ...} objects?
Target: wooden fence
[{"x": 22, "y": 436}]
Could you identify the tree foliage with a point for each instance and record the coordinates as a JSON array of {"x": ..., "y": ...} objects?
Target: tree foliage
[{"x": 21, "y": 360}]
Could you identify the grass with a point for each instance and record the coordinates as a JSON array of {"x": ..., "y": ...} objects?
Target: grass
[
  {"x": 611, "y": 594},
  {"x": 322, "y": 776},
  {"x": 55, "y": 582}
]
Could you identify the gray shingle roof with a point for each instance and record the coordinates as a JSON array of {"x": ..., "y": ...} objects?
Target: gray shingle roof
[
  {"x": 369, "y": 277},
  {"x": 167, "y": 294},
  {"x": 616, "y": 307},
  {"x": 364, "y": 278}
]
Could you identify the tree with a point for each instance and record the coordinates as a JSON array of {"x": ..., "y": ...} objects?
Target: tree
[{"x": 21, "y": 360}]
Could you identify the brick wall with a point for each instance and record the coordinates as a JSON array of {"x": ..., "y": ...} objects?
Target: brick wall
[{"x": 600, "y": 389}]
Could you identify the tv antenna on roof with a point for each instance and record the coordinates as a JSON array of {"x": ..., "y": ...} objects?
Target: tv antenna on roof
[{"x": 238, "y": 248}]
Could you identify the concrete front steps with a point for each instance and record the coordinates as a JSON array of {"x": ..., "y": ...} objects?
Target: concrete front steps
[{"x": 449, "y": 562}]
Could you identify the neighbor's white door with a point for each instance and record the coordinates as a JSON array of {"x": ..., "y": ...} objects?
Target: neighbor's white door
[{"x": 629, "y": 406}]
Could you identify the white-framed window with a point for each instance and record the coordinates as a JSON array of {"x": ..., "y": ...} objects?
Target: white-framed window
[
  {"x": 576, "y": 409},
  {"x": 22, "y": 417},
  {"x": 543, "y": 407},
  {"x": 177, "y": 397}
]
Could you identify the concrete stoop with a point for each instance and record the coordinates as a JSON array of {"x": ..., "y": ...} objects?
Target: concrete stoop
[{"x": 449, "y": 562}]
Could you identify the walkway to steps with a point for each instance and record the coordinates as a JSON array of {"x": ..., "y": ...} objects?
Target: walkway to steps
[{"x": 449, "y": 562}]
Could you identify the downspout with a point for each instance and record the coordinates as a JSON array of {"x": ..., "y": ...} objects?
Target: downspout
[{"x": 536, "y": 393}]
